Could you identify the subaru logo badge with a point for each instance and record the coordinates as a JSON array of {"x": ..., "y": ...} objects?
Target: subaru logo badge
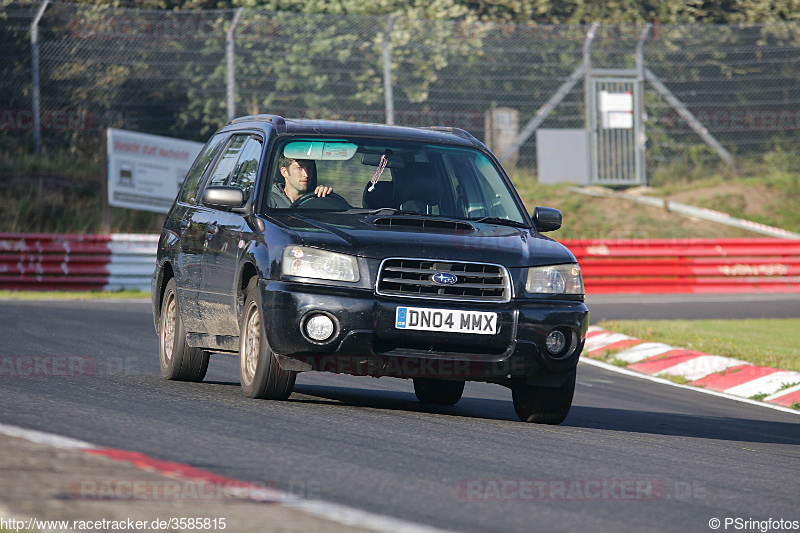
[{"x": 444, "y": 278}]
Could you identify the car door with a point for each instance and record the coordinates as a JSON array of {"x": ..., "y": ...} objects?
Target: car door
[
  {"x": 190, "y": 225},
  {"x": 227, "y": 232}
]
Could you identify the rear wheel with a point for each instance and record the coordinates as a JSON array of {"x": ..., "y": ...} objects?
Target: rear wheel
[
  {"x": 259, "y": 372},
  {"x": 179, "y": 361},
  {"x": 543, "y": 405},
  {"x": 438, "y": 391}
]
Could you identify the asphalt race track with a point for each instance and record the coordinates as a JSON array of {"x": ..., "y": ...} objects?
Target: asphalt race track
[{"x": 633, "y": 455}]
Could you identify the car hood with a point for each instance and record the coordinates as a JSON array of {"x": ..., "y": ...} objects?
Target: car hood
[{"x": 416, "y": 236}]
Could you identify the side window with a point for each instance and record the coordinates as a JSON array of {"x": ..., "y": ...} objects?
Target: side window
[
  {"x": 244, "y": 174},
  {"x": 192, "y": 180},
  {"x": 500, "y": 202},
  {"x": 226, "y": 163},
  {"x": 469, "y": 196}
]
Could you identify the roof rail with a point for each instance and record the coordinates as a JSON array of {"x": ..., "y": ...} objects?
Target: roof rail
[
  {"x": 455, "y": 131},
  {"x": 277, "y": 120}
]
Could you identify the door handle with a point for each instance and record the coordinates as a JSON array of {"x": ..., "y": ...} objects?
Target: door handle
[
  {"x": 212, "y": 229},
  {"x": 185, "y": 225}
]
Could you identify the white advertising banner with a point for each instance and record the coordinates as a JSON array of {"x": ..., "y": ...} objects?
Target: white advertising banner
[{"x": 145, "y": 171}]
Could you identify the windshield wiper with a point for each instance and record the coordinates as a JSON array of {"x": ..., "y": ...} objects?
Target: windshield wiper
[{"x": 501, "y": 221}]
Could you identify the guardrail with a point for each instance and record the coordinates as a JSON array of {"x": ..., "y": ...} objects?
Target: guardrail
[
  {"x": 76, "y": 262},
  {"x": 126, "y": 261},
  {"x": 688, "y": 265}
]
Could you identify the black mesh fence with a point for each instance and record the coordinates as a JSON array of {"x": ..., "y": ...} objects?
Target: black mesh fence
[{"x": 169, "y": 73}]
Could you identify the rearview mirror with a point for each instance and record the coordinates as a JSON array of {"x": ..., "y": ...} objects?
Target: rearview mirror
[
  {"x": 374, "y": 160},
  {"x": 546, "y": 219}
]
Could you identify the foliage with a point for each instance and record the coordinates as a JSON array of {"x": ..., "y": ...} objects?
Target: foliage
[
  {"x": 299, "y": 65},
  {"x": 569, "y": 11},
  {"x": 149, "y": 71}
]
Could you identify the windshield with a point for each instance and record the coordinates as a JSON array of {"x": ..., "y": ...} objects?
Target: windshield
[{"x": 373, "y": 173}]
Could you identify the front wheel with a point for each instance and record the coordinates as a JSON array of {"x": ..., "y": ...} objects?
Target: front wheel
[
  {"x": 259, "y": 372},
  {"x": 438, "y": 391},
  {"x": 179, "y": 361},
  {"x": 543, "y": 405}
]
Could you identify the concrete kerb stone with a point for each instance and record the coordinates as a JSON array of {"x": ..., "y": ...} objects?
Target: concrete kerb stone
[
  {"x": 779, "y": 387},
  {"x": 786, "y": 397}
]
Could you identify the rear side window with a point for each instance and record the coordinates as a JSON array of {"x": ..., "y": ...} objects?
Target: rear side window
[
  {"x": 238, "y": 166},
  {"x": 192, "y": 180},
  {"x": 227, "y": 161}
]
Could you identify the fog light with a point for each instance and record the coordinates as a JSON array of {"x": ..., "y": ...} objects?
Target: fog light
[
  {"x": 555, "y": 342},
  {"x": 319, "y": 327}
]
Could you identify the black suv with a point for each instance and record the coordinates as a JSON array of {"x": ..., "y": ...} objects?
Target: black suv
[{"x": 366, "y": 249}]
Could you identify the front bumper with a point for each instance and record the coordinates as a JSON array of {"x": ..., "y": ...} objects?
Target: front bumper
[{"x": 366, "y": 342}]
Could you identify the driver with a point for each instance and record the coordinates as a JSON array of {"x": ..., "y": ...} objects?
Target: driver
[{"x": 300, "y": 178}]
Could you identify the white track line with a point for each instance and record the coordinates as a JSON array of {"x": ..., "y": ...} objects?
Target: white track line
[{"x": 50, "y": 439}]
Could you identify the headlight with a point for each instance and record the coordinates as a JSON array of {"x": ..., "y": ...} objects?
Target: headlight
[
  {"x": 306, "y": 262},
  {"x": 555, "y": 279}
]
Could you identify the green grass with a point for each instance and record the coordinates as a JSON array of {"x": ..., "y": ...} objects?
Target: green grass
[
  {"x": 56, "y": 164},
  {"x": 73, "y": 295},
  {"x": 774, "y": 178},
  {"x": 680, "y": 380},
  {"x": 66, "y": 205},
  {"x": 60, "y": 193},
  {"x": 782, "y": 186},
  {"x": 768, "y": 342}
]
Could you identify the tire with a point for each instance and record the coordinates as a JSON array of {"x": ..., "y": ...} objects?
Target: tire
[
  {"x": 179, "y": 361},
  {"x": 438, "y": 391},
  {"x": 260, "y": 374},
  {"x": 543, "y": 405}
]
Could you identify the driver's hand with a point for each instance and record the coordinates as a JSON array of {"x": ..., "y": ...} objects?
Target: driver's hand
[{"x": 323, "y": 191}]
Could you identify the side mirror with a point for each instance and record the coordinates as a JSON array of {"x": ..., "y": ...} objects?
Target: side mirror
[
  {"x": 546, "y": 218},
  {"x": 226, "y": 197}
]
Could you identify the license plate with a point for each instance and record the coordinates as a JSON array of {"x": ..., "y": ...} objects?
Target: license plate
[{"x": 446, "y": 320}]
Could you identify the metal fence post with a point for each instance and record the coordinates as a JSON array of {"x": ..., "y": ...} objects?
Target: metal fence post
[
  {"x": 590, "y": 120},
  {"x": 641, "y": 140},
  {"x": 387, "y": 70},
  {"x": 37, "y": 125},
  {"x": 231, "y": 56}
]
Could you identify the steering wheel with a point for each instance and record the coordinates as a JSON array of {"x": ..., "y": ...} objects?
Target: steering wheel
[{"x": 332, "y": 201}]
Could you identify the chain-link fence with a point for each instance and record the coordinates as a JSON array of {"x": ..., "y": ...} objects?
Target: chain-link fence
[{"x": 177, "y": 73}]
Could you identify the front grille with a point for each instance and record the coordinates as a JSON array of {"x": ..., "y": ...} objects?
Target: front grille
[{"x": 478, "y": 282}]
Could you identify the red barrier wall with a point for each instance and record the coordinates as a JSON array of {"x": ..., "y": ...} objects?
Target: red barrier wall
[
  {"x": 54, "y": 262},
  {"x": 688, "y": 265},
  {"x": 81, "y": 262}
]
